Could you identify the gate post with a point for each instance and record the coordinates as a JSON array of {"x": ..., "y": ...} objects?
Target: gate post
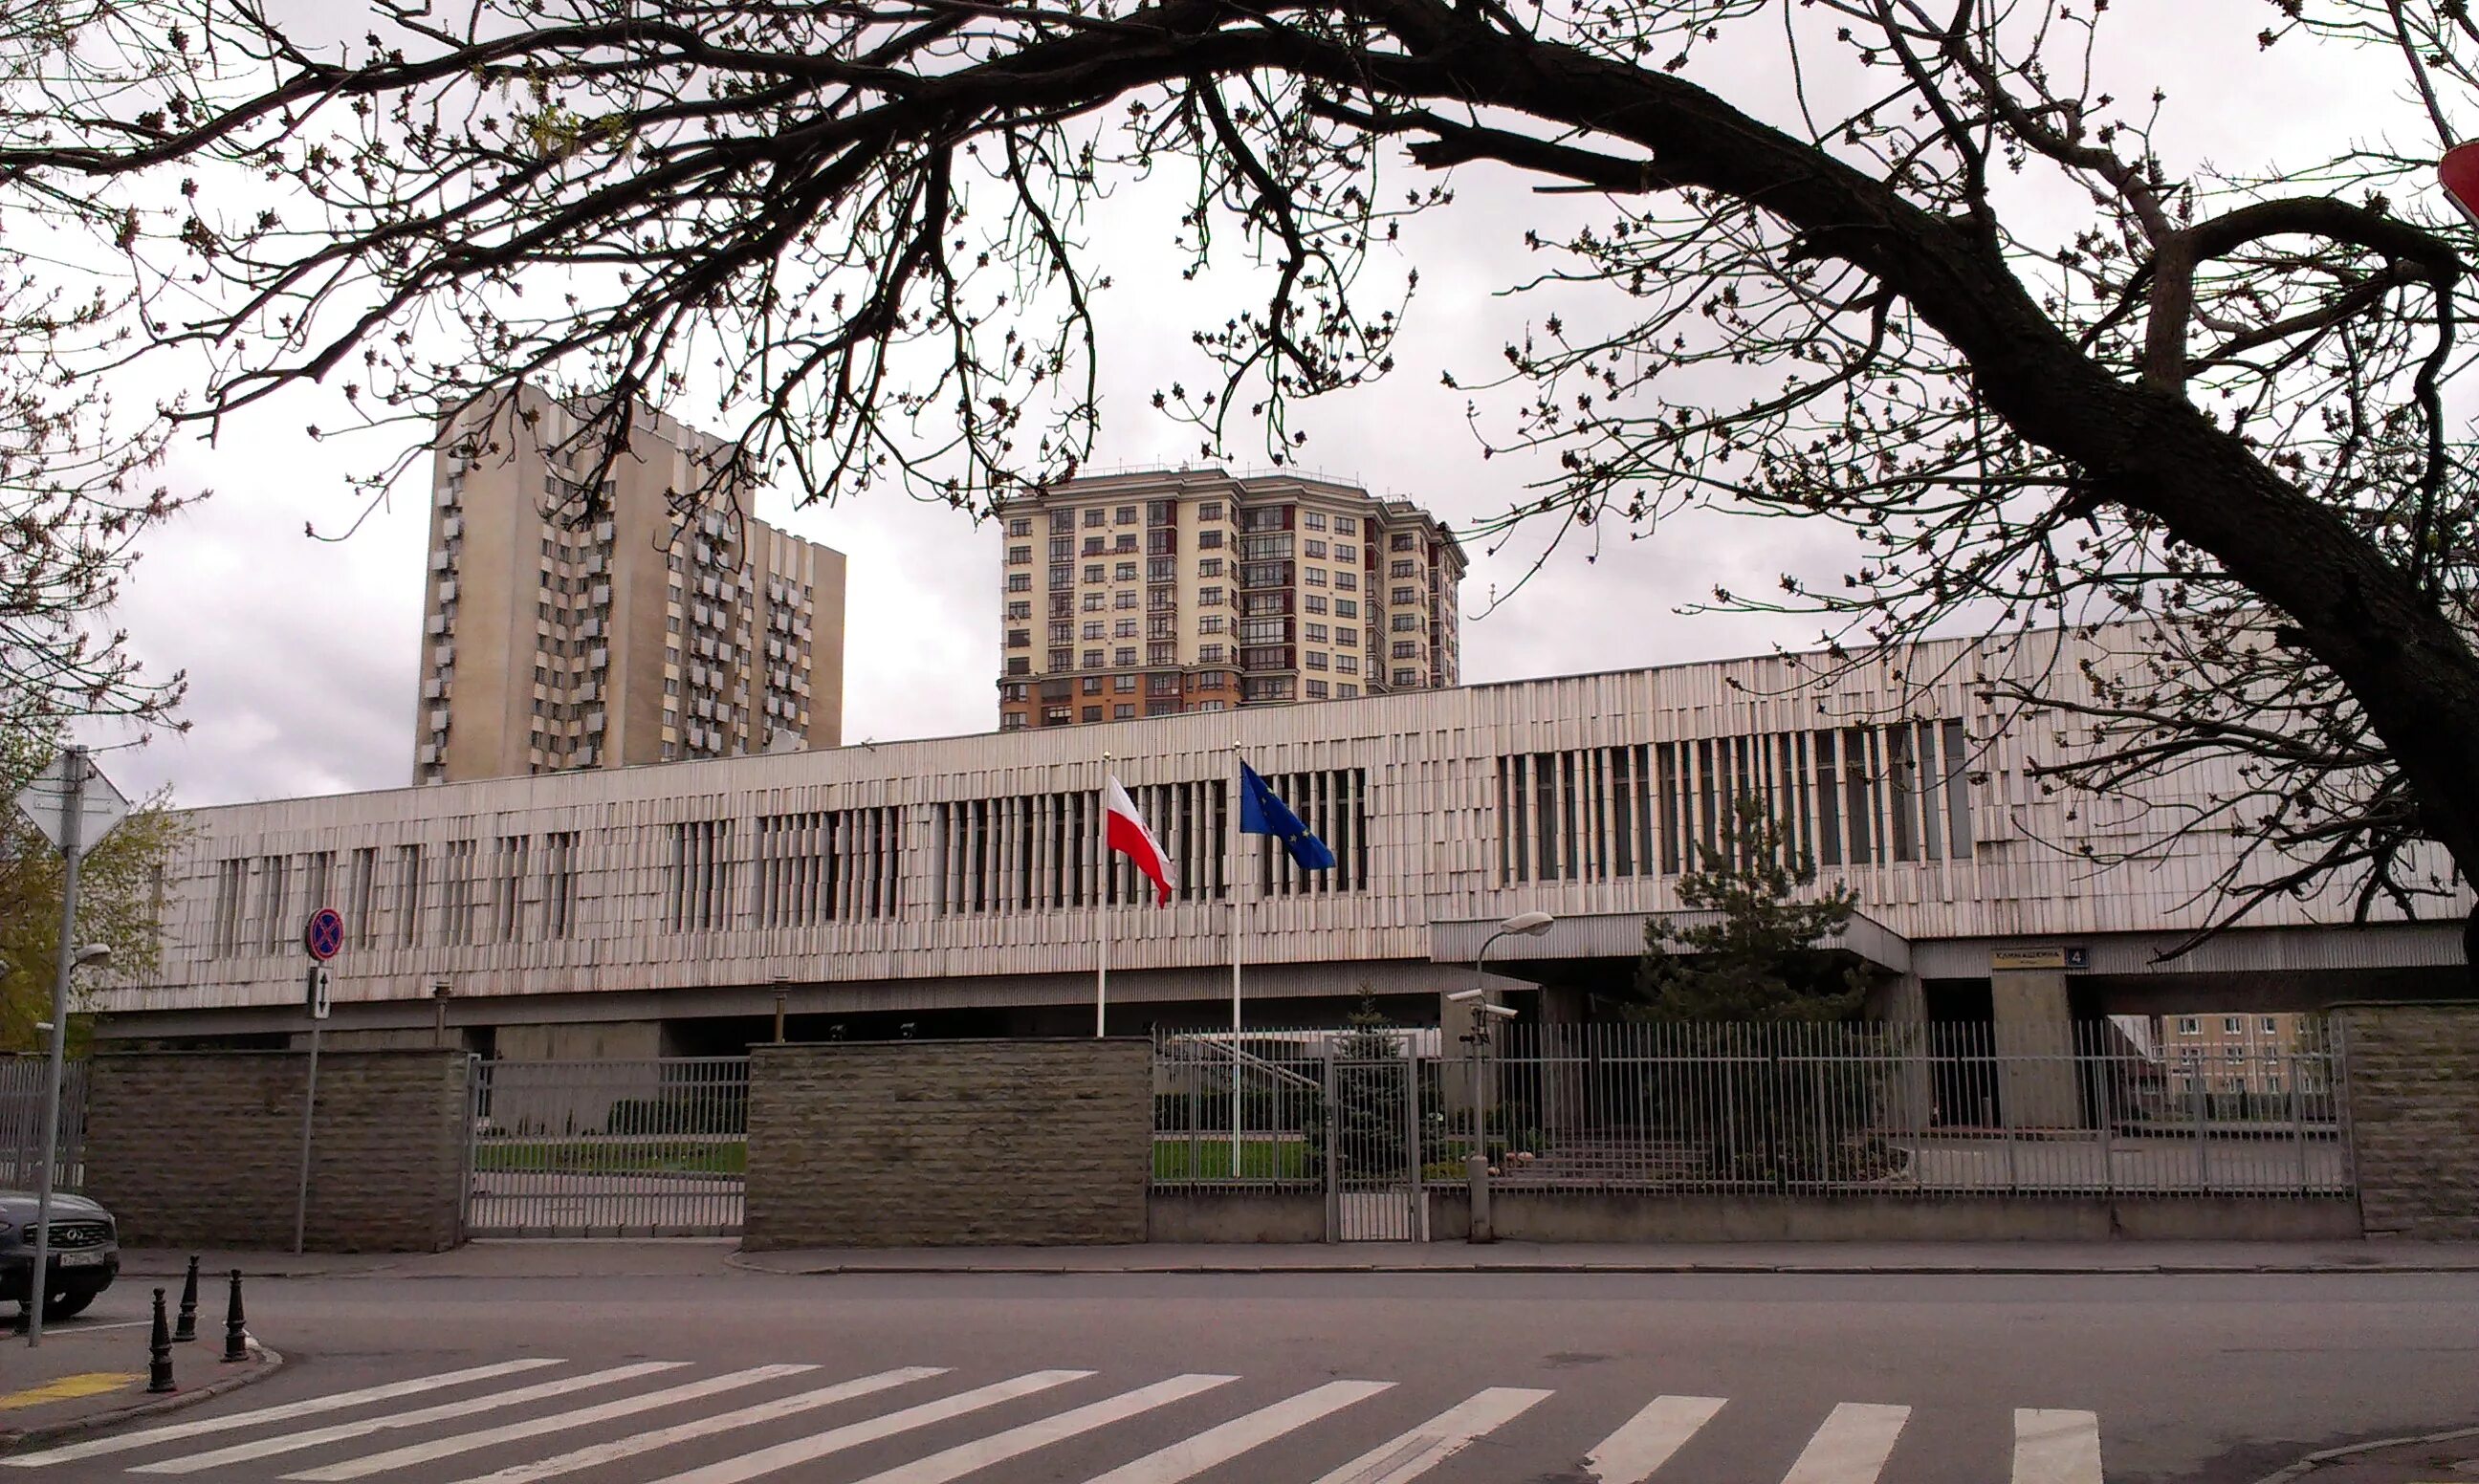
[
  {"x": 471, "y": 1131},
  {"x": 1417, "y": 1199},
  {"x": 1333, "y": 1127}
]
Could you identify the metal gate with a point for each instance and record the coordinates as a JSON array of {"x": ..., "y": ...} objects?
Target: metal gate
[
  {"x": 1373, "y": 1191},
  {"x": 648, "y": 1148},
  {"x": 25, "y": 1082},
  {"x": 1338, "y": 1114}
]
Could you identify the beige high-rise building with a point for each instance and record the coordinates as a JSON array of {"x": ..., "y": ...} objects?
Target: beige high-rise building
[
  {"x": 1192, "y": 590},
  {"x": 637, "y": 638},
  {"x": 2227, "y": 1054}
]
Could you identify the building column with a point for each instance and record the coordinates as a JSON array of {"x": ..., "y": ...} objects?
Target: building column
[
  {"x": 2035, "y": 1038},
  {"x": 1900, "y": 1004},
  {"x": 1562, "y": 1077}
]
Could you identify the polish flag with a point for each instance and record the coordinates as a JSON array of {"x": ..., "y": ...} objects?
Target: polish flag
[{"x": 1125, "y": 832}]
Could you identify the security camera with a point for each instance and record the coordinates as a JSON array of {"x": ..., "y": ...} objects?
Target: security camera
[
  {"x": 1500, "y": 1010},
  {"x": 1459, "y": 996}
]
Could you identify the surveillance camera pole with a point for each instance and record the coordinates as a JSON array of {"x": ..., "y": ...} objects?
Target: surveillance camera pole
[
  {"x": 1484, "y": 1037},
  {"x": 72, "y": 816}
]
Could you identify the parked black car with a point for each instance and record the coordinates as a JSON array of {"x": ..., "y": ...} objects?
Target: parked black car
[{"x": 84, "y": 1260}]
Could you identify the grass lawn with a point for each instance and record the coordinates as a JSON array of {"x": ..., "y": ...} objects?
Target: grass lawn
[
  {"x": 613, "y": 1156},
  {"x": 1210, "y": 1158}
]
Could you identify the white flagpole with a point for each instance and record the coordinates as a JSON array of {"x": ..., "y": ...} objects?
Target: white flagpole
[
  {"x": 1101, "y": 907},
  {"x": 1235, "y": 910}
]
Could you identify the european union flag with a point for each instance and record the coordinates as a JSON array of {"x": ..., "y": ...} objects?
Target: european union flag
[{"x": 1263, "y": 811}]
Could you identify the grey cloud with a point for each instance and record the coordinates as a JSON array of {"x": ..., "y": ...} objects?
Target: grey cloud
[{"x": 300, "y": 654}]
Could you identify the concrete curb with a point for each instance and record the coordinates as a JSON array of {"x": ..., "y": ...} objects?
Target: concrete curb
[
  {"x": 751, "y": 1264},
  {"x": 2314, "y": 1461},
  {"x": 176, "y": 1274},
  {"x": 70, "y": 1429}
]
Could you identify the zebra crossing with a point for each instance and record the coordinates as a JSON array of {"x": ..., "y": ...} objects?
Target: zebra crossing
[{"x": 524, "y": 1420}]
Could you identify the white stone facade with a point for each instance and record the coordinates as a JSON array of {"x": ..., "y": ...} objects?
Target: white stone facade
[{"x": 969, "y": 861}]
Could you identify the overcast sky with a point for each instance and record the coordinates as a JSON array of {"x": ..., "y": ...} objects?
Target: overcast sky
[{"x": 301, "y": 653}]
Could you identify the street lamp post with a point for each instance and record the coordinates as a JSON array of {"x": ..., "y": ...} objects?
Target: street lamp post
[
  {"x": 76, "y": 806},
  {"x": 1483, "y": 1032},
  {"x": 92, "y": 956}
]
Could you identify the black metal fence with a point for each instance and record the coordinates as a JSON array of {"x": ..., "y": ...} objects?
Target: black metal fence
[
  {"x": 656, "y": 1147},
  {"x": 2088, "y": 1108}
]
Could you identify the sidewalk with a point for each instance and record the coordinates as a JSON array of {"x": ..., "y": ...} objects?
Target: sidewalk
[
  {"x": 152, "y": 1266},
  {"x": 610, "y": 1257},
  {"x": 1821, "y": 1258},
  {"x": 629, "y": 1258},
  {"x": 2430, "y": 1460},
  {"x": 583, "y": 1258},
  {"x": 89, "y": 1373}
]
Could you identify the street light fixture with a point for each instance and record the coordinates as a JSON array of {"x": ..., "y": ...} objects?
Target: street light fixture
[
  {"x": 92, "y": 956},
  {"x": 1521, "y": 925}
]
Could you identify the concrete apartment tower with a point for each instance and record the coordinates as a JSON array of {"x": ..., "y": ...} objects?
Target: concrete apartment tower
[
  {"x": 635, "y": 638},
  {"x": 1192, "y": 590}
]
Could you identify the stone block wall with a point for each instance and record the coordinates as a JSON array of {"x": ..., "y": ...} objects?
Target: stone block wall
[
  {"x": 2411, "y": 1083},
  {"x": 203, "y": 1148},
  {"x": 949, "y": 1144}
]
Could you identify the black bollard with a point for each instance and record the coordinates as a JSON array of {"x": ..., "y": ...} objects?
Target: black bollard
[
  {"x": 159, "y": 1350},
  {"x": 236, "y": 1333},
  {"x": 186, "y": 1328}
]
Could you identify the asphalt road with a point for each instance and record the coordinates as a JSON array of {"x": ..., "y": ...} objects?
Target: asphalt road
[{"x": 684, "y": 1375}]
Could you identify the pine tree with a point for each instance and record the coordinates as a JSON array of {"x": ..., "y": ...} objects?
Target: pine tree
[
  {"x": 1736, "y": 986},
  {"x": 1758, "y": 959},
  {"x": 1373, "y": 1095}
]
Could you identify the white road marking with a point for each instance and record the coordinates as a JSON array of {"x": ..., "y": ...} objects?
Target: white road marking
[
  {"x": 801, "y": 1450},
  {"x": 2056, "y": 1447},
  {"x": 617, "y": 1449},
  {"x": 1215, "y": 1445},
  {"x": 422, "y": 1417},
  {"x": 534, "y": 1427},
  {"x": 999, "y": 1446},
  {"x": 1438, "y": 1439},
  {"x": 1645, "y": 1441},
  {"x": 1852, "y": 1446},
  {"x": 121, "y": 1443}
]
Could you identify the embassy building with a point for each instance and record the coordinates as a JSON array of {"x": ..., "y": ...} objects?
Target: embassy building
[{"x": 955, "y": 887}]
